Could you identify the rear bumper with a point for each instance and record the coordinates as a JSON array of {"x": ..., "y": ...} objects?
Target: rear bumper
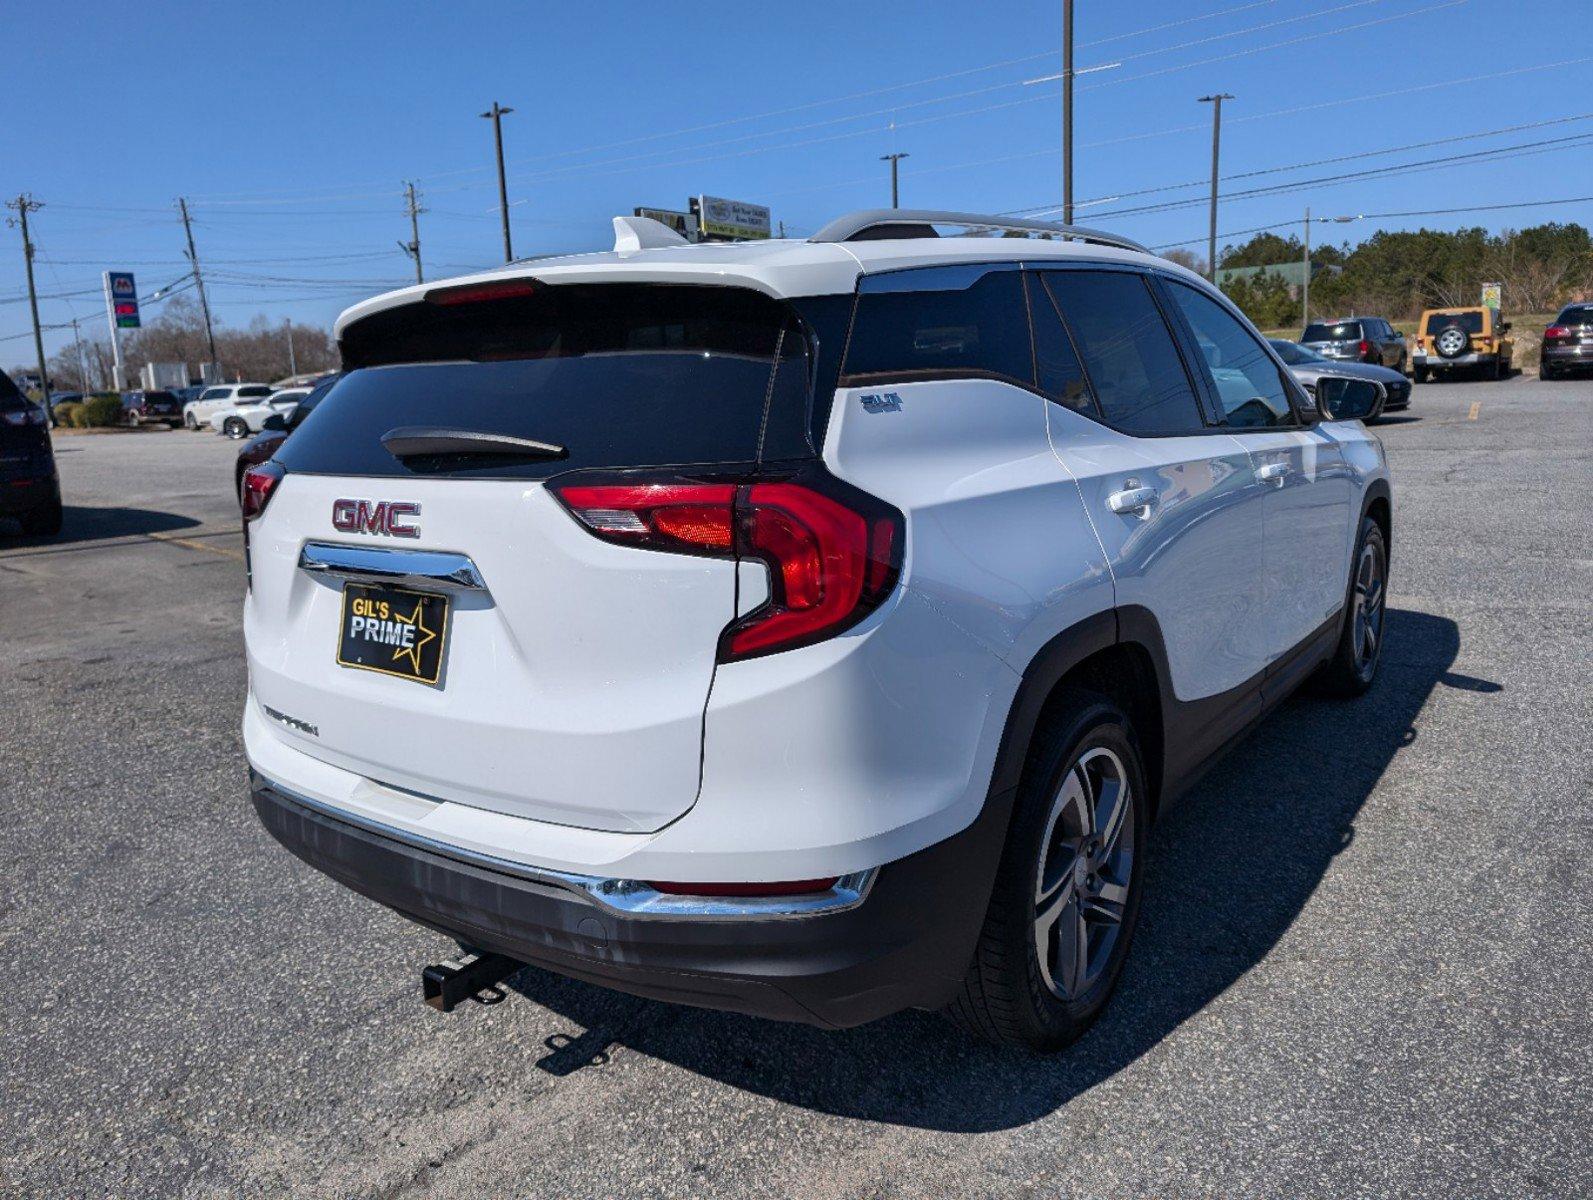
[
  {"x": 23, "y": 493},
  {"x": 1437, "y": 362},
  {"x": 1569, "y": 356},
  {"x": 906, "y": 945}
]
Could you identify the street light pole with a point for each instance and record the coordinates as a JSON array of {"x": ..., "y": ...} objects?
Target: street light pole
[
  {"x": 893, "y": 159},
  {"x": 1067, "y": 112},
  {"x": 1305, "y": 280},
  {"x": 1216, "y": 153},
  {"x": 496, "y": 114}
]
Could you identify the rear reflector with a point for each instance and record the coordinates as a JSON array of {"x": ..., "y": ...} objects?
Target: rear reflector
[
  {"x": 794, "y": 887},
  {"x": 833, "y": 552},
  {"x": 475, "y": 293}
]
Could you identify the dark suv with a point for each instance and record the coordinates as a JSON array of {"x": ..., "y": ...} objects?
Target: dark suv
[
  {"x": 147, "y": 408},
  {"x": 1568, "y": 343},
  {"x": 30, "y": 489},
  {"x": 1357, "y": 339}
]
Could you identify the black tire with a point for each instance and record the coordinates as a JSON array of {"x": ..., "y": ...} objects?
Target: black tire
[
  {"x": 42, "y": 522},
  {"x": 1418, "y": 375},
  {"x": 192, "y": 425},
  {"x": 1352, "y": 669},
  {"x": 1546, "y": 373},
  {"x": 1006, "y": 997},
  {"x": 235, "y": 428}
]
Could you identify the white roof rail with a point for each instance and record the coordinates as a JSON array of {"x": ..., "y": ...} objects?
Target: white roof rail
[
  {"x": 643, "y": 233},
  {"x": 848, "y": 228}
]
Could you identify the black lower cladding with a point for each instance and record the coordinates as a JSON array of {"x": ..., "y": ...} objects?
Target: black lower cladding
[{"x": 906, "y": 946}]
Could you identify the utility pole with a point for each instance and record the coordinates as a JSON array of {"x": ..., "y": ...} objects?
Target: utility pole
[
  {"x": 22, "y": 206},
  {"x": 1067, "y": 112},
  {"x": 496, "y": 115},
  {"x": 82, "y": 359},
  {"x": 412, "y": 247},
  {"x": 1305, "y": 280},
  {"x": 893, "y": 159},
  {"x": 193, "y": 261},
  {"x": 293, "y": 359},
  {"x": 1216, "y": 152}
]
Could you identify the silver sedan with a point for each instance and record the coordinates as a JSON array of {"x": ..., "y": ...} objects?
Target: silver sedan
[{"x": 1308, "y": 366}]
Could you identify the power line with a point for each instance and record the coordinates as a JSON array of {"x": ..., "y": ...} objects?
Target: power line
[
  {"x": 1041, "y": 210},
  {"x": 1383, "y": 216}
]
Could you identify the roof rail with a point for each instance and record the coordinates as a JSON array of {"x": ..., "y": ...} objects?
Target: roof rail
[{"x": 855, "y": 226}]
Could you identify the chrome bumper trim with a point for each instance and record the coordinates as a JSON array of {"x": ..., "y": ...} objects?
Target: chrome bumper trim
[{"x": 626, "y": 897}]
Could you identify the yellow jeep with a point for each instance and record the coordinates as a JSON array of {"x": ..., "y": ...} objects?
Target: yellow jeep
[{"x": 1462, "y": 339}]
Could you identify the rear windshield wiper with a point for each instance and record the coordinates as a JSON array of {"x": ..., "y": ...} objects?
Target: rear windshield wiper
[{"x": 413, "y": 441}]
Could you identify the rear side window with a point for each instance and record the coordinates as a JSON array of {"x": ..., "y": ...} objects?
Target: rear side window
[
  {"x": 620, "y": 375},
  {"x": 220, "y": 393},
  {"x": 941, "y": 322},
  {"x": 1057, "y": 369},
  {"x": 1128, "y": 351},
  {"x": 1247, "y": 383}
]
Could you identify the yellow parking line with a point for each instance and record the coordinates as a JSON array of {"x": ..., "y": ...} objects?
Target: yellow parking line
[
  {"x": 190, "y": 544},
  {"x": 1476, "y": 407}
]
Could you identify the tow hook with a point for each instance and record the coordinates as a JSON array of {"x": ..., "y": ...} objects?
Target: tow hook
[{"x": 447, "y": 985}]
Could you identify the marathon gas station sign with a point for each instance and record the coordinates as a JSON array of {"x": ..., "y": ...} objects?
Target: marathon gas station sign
[{"x": 121, "y": 300}]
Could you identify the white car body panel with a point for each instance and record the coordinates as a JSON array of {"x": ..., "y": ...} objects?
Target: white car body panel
[{"x": 574, "y": 685}]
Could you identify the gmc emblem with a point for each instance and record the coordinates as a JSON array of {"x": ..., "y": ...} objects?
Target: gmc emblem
[{"x": 384, "y": 517}]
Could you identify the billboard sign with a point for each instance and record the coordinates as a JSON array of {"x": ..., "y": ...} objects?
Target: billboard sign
[
  {"x": 121, "y": 299},
  {"x": 683, "y": 223},
  {"x": 1492, "y": 294},
  {"x": 731, "y": 219}
]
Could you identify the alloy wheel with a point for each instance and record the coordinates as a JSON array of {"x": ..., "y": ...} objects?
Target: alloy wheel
[
  {"x": 1086, "y": 863},
  {"x": 1368, "y": 605}
]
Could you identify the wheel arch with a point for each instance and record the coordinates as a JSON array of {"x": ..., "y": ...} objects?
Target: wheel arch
[
  {"x": 1378, "y": 504},
  {"x": 1095, "y": 655}
]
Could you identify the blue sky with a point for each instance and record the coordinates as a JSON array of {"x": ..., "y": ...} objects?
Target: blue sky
[{"x": 290, "y": 127}]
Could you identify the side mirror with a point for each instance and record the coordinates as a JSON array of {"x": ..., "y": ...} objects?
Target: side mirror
[
  {"x": 275, "y": 423},
  {"x": 1339, "y": 398},
  {"x": 1504, "y": 326}
]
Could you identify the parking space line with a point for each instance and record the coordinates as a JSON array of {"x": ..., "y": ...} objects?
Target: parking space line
[
  {"x": 1476, "y": 407},
  {"x": 190, "y": 544}
]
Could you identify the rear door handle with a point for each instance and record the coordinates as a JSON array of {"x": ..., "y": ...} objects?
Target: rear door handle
[
  {"x": 1273, "y": 473},
  {"x": 1136, "y": 500}
]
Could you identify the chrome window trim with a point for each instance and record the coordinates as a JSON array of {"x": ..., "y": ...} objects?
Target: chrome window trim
[{"x": 625, "y": 897}]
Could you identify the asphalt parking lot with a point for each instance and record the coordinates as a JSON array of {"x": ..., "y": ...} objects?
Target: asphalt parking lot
[{"x": 1365, "y": 963}]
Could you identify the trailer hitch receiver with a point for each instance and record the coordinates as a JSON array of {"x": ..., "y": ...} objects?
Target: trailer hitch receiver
[{"x": 446, "y": 985}]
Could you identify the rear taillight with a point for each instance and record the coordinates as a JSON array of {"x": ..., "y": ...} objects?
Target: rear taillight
[
  {"x": 833, "y": 552},
  {"x": 24, "y": 416},
  {"x": 258, "y": 485},
  {"x": 1364, "y": 349},
  {"x": 1555, "y": 331}
]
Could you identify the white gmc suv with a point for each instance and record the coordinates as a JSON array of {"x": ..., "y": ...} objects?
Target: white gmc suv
[{"x": 809, "y": 628}]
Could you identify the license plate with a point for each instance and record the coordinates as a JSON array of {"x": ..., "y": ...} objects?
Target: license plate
[{"x": 394, "y": 631}]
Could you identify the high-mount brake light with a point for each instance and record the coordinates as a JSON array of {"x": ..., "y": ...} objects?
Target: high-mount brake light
[
  {"x": 259, "y": 483},
  {"x": 476, "y": 293},
  {"x": 833, "y": 553}
]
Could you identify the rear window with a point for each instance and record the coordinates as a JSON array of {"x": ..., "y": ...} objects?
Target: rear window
[
  {"x": 1344, "y": 331},
  {"x": 1471, "y": 322},
  {"x": 1575, "y": 316},
  {"x": 161, "y": 396},
  {"x": 249, "y": 392},
  {"x": 620, "y": 375}
]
